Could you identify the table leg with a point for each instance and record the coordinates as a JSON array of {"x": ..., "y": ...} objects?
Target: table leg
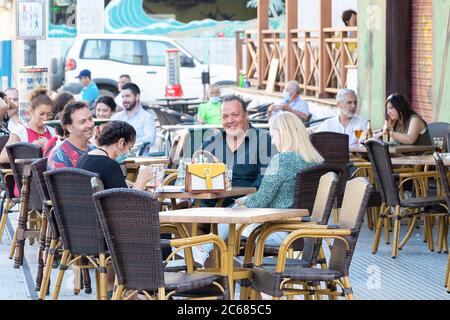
[
  {"x": 23, "y": 218},
  {"x": 231, "y": 247}
]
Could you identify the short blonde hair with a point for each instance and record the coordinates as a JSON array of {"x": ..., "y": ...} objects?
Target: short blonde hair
[{"x": 294, "y": 137}]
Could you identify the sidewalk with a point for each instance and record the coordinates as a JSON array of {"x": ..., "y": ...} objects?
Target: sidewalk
[{"x": 416, "y": 274}]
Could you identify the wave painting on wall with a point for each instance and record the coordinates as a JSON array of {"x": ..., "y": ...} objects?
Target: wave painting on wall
[
  {"x": 128, "y": 16},
  {"x": 61, "y": 31}
]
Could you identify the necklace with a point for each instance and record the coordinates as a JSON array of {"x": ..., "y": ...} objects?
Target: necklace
[{"x": 103, "y": 151}]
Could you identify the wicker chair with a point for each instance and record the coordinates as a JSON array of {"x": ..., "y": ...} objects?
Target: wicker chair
[
  {"x": 334, "y": 149},
  {"x": 278, "y": 280},
  {"x": 325, "y": 190},
  {"x": 443, "y": 178},
  {"x": 70, "y": 192},
  {"x": 43, "y": 277},
  {"x": 31, "y": 204},
  {"x": 134, "y": 243},
  {"x": 7, "y": 184},
  {"x": 378, "y": 152}
]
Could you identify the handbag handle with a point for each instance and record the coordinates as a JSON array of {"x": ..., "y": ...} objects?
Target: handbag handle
[{"x": 205, "y": 153}]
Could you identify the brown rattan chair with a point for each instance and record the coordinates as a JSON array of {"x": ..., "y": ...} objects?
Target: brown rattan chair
[
  {"x": 334, "y": 148},
  {"x": 378, "y": 152},
  {"x": 279, "y": 280},
  {"x": 71, "y": 192},
  {"x": 443, "y": 233},
  {"x": 7, "y": 184},
  {"x": 325, "y": 191},
  {"x": 134, "y": 243},
  {"x": 31, "y": 204}
]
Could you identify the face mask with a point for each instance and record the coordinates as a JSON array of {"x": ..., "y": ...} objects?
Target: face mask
[
  {"x": 286, "y": 96},
  {"x": 121, "y": 158},
  {"x": 214, "y": 100}
]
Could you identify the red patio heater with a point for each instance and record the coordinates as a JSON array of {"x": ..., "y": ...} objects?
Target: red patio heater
[{"x": 173, "y": 87}]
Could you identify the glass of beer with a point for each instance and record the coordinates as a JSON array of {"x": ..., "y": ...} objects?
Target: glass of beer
[
  {"x": 438, "y": 144},
  {"x": 358, "y": 133}
]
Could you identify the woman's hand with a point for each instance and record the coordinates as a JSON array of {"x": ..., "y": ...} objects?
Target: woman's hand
[
  {"x": 145, "y": 175},
  {"x": 241, "y": 201},
  {"x": 129, "y": 183}
]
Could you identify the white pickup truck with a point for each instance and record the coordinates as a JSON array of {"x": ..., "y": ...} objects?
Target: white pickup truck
[{"x": 142, "y": 57}]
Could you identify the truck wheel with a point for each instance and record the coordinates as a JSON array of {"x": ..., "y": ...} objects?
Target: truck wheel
[{"x": 108, "y": 91}]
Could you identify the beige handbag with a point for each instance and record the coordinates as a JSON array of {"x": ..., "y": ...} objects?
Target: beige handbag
[{"x": 205, "y": 177}]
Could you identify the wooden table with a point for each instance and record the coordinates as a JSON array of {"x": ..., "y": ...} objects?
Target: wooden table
[
  {"x": 395, "y": 149},
  {"x": 425, "y": 160},
  {"x": 234, "y": 192},
  {"x": 132, "y": 164},
  {"x": 232, "y": 217}
]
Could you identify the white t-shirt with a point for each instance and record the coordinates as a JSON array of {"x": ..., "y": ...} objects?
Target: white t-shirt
[
  {"x": 335, "y": 125},
  {"x": 21, "y": 132}
]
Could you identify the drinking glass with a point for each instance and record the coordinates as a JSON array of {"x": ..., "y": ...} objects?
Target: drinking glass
[
  {"x": 358, "y": 133},
  {"x": 438, "y": 143}
]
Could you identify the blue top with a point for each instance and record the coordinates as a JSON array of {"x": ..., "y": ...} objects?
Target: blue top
[
  {"x": 90, "y": 93},
  {"x": 142, "y": 121},
  {"x": 298, "y": 105},
  {"x": 278, "y": 184}
]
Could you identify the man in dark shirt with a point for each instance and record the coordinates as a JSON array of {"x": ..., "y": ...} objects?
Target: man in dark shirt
[{"x": 248, "y": 149}]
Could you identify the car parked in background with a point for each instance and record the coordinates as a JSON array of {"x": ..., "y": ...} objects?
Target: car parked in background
[{"x": 143, "y": 58}]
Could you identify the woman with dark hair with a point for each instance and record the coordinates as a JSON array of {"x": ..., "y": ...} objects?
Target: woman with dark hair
[
  {"x": 407, "y": 126},
  {"x": 61, "y": 100},
  {"x": 34, "y": 131},
  {"x": 114, "y": 143},
  {"x": 105, "y": 106}
]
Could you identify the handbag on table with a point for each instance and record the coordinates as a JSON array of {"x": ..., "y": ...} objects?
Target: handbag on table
[{"x": 205, "y": 177}]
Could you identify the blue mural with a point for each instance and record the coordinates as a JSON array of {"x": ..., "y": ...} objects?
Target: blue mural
[
  {"x": 61, "y": 31},
  {"x": 128, "y": 16}
]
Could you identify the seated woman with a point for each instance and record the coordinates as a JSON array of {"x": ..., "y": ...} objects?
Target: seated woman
[
  {"x": 296, "y": 153},
  {"x": 34, "y": 131},
  {"x": 114, "y": 143},
  {"x": 407, "y": 126},
  {"x": 61, "y": 100},
  {"x": 105, "y": 107}
]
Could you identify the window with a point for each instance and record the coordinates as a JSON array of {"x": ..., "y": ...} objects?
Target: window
[
  {"x": 126, "y": 51},
  {"x": 156, "y": 52},
  {"x": 95, "y": 49}
]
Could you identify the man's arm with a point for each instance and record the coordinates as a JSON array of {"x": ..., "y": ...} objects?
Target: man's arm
[{"x": 149, "y": 130}]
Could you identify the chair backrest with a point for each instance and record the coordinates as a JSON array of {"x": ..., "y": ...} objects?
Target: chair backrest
[
  {"x": 307, "y": 186},
  {"x": 70, "y": 191},
  {"x": 130, "y": 222},
  {"x": 38, "y": 168},
  {"x": 439, "y": 129},
  {"x": 24, "y": 150},
  {"x": 3, "y": 141},
  {"x": 380, "y": 159},
  {"x": 354, "y": 205},
  {"x": 334, "y": 149},
  {"x": 325, "y": 198},
  {"x": 443, "y": 177}
]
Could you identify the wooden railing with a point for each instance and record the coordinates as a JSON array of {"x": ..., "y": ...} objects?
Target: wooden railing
[{"x": 317, "y": 78}]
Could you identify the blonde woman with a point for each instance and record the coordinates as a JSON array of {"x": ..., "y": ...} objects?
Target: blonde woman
[{"x": 296, "y": 153}]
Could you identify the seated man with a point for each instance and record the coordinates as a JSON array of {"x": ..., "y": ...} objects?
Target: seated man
[
  {"x": 209, "y": 112},
  {"x": 346, "y": 122},
  {"x": 77, "y": 121},
  {"x": 90, "y": 91},
  {"x": 246, "y": 148},
  {"x": 134, "y": 114},
  {"x": 291, "y": 103}
]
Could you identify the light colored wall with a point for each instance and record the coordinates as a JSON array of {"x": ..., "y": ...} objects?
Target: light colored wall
[
  {"x": 441, "y": 59},
  {"x": 308, "y": 12},
  {"x": 372, "y": 59}
]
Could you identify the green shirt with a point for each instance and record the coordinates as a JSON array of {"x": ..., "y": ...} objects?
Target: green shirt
[
  {"x": 210, "y": 113},
  {"x": 278, "y": 184}
]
